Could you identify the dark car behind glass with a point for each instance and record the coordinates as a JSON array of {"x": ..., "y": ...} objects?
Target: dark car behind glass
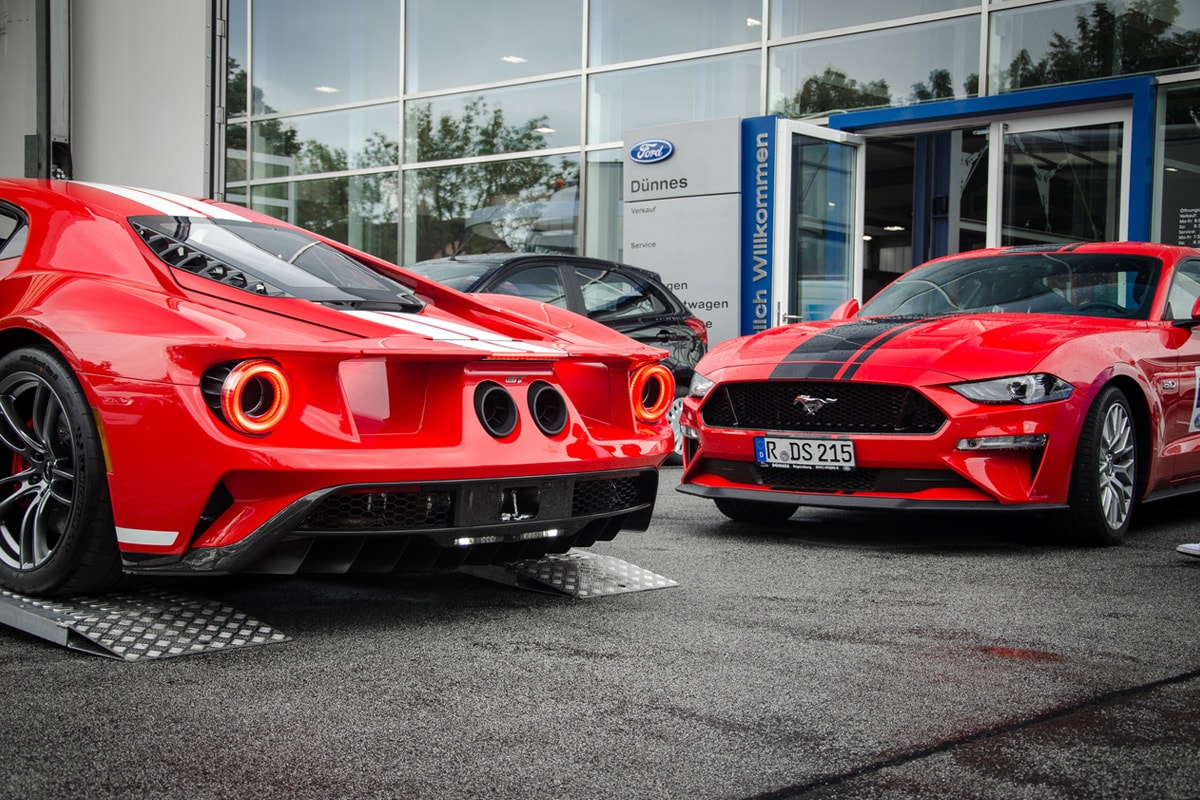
[{"x": 629, "y": 299}]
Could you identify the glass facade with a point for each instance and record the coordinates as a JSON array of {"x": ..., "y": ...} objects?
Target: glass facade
[
  {"x": 1178, "y": 166},
  {"x": 418, "y": 127}
]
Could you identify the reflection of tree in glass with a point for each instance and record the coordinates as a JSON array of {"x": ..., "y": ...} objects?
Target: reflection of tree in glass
[
  {"x": 278, "y": 138},
  {"x": 1107, "y": 42},
  {"x": 481, "y": 207},
  {"x": 941, "y": 87},
  {"x": 833, "y": 90},
  {"x": 331, "y": 207}
]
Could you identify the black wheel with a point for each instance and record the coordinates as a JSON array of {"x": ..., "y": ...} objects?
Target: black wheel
[
  {"x": 1104, "y": 476},
  {"x": 56, "y": 529},
  {"x": 755, "y": 510}
]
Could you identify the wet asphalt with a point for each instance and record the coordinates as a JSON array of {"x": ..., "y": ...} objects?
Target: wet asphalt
[{"x": 838, "y": 655}]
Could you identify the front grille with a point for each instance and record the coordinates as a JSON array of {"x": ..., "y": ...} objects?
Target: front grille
[
  {"x": 831, "y": 481},
  {"x": 837, "y": 407}
]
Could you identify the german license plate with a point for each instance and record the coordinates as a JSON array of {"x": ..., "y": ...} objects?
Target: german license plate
[{"x": 775, "y": 451}]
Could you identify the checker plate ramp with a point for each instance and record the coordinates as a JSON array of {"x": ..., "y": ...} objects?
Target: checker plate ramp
[
  {"x": 576, "y": 573},
  {"x": 136, "y": 625}
]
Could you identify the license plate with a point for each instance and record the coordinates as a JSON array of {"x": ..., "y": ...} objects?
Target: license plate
[{"x": 775, "y": 451}]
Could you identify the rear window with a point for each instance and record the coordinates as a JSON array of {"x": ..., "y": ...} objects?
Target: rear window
[{"x": 271, "y": 261}]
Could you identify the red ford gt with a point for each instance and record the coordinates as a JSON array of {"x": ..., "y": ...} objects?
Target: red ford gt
[
  {"x": 1061, "y": 379},
  {"x": 192, "y": 387}
]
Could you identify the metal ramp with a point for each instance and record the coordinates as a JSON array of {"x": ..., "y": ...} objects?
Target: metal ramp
[
  {"x": 152, "y": 623},
  {"x": 136, "y": 625},
  {"x": 576, "y": 573}
]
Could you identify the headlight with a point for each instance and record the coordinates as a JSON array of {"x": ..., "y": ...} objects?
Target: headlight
[
  {"x": 700, "y": 385},
  {"x": 1023, "y": 389}
]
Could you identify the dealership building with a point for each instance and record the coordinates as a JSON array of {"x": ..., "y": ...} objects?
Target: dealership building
[{"x": 770, "y": 158}]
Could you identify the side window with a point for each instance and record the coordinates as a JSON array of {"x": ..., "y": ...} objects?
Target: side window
[
  {"x": 12, "y": 234},
  {"x": 610, "y": 295},
  {"x": 543, "y": 284},
  {"x": 1185, "y": 289}
]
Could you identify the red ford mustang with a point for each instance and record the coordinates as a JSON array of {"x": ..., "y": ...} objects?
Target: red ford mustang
[
  {"x": 192, "y": 387},
  {"x": 1061, "y": 379}
]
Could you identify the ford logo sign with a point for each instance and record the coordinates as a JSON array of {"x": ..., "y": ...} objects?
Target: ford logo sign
[{"x": 651, "y": 151}]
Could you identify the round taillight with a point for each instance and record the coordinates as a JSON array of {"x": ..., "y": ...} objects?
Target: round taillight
[
  {"x": 255, "y": 397},
  {"x": 651, "y": 389}
]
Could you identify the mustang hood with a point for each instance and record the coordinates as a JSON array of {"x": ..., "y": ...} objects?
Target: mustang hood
[{"x": 959, "y": 346}]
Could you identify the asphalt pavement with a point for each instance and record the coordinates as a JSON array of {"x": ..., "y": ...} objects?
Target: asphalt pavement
[{"x": 837, "y": 655}]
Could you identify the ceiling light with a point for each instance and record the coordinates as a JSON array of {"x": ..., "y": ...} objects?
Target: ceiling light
[
  {"x": 513, "y": 59},
  {"x": 544, "y": 129},
  {"x": 325, "y": 89},
  {"x": 751, "y": 22},
  {"x": 893, "y": 228}
]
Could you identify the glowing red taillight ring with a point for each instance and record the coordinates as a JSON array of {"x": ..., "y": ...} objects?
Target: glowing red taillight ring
[
  {"x": 651, "y": 389},
  {"x": 255, "y": 397}
]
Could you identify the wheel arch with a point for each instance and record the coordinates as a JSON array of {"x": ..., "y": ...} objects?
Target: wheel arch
[{"x": 1139, "y": 406}]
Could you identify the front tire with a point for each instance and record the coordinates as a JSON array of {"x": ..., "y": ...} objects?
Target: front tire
[
  {"x": 1105, "y": 473},
  {"x": 56, "y": 528},
  {"x": 755, "y": 510}
]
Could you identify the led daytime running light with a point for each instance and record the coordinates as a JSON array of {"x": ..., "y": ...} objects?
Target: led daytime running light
[{"x": 255, "y": 396}]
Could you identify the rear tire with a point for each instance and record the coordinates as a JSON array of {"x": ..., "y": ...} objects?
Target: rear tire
[
  {"x": 755, "y": 510},
  {"x": 673, "y": 416},
  {"x": 56, "y": 528},
  {"x": 1104, "y": 477}
]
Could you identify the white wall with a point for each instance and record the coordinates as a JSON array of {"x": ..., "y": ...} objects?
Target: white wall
[
  {"x": 18, "y": 83},
  {"x": 140, "y": 93}
]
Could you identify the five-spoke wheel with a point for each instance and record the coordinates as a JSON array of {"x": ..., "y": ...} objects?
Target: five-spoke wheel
[{"x": 56, "y": 534}]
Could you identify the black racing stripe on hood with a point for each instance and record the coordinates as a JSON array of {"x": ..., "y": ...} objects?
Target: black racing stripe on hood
[{"x": 839, "y": 352}]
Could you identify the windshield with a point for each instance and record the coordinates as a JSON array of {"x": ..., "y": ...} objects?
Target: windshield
[
  {"x": 1091, "y": 284},
  {"x": 272, "y": 261}
]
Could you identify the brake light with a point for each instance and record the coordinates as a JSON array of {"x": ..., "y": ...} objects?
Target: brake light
[
  {"x": 651, "y": 389},
  {"x": 255, "y": 396}
]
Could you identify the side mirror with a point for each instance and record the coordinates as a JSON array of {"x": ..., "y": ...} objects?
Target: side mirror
[
  {"x": 1195, "y": 318},
  {"x": 846, "y": 310}
]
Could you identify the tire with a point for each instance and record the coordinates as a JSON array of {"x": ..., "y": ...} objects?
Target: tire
[
  {"x": 673, "y": 415},
  {"x": 755, "y": 510},
  {"x": 1104, "y": 476},
  {"x": 56, "y": 528}
]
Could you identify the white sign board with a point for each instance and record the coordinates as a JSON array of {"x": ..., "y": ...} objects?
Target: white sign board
[{"x": 682, "y": 200}]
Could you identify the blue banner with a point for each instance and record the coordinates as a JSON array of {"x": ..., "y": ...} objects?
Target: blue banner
[{"x": 758, "y": 218}]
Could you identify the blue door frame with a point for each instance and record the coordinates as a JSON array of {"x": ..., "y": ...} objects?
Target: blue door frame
[{"x": 1137, "y": 91}]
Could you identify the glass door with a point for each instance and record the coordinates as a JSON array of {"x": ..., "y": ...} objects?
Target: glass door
[
  {"x": 1060, "y": 179},
  {"x": 821, "y": 176}
]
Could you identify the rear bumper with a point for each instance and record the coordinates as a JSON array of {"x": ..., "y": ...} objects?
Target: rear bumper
[{"x": 436, "y": 524}]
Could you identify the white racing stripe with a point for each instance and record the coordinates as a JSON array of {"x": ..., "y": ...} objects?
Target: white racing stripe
[
  {"x": 455, "y": 332},
  {"x": 174, "y": 205}
]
